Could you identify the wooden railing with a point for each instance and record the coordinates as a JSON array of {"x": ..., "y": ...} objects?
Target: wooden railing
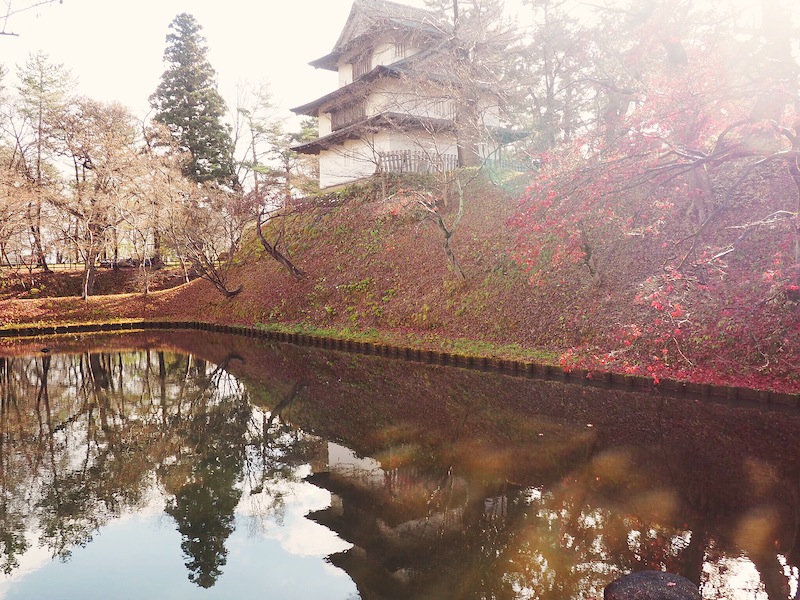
[{"x": 412, "y": 161}]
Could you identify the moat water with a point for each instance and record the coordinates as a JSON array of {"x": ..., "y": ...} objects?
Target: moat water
[{"x": 199, "y": 465}]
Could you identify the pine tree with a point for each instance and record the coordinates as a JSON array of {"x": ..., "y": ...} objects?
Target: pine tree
[{"x": 188, "y": 103}]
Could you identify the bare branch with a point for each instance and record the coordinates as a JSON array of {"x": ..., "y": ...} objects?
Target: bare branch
[{"x": 10, "y": 12}]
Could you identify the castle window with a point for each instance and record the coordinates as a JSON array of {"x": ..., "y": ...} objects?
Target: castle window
[
  {"x": 362, "y": 65},
  {"x": 347, "y": 115}
]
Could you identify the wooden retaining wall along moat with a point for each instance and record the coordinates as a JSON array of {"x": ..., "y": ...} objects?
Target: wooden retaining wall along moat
[{"x": 497, "y": 365}]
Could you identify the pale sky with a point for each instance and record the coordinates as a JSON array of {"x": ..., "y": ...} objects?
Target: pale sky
[{"x": 115, "y": 48}]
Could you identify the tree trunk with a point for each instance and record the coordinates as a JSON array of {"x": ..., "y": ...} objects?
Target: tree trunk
[
  {"x": 273, "y": 251},
  {"x": 794, "y": 171},
  {"x": 452, "y": 258},
  {"x": 185, "y": 270},
  {"x": 4, "y": 255},
  {"x": 448, "y": 232},
  {"x": 230, "y": 293},
  {"x": 157, "y": 261},
  {"x": 89, "y": 267},
  {"x": 468, "y": 134},
  {"x": 588, "y": 256},
  {"x": 89, "y": 274},
  {"x": 145, "y": 277},
  {"x": 35, "y": 225}
]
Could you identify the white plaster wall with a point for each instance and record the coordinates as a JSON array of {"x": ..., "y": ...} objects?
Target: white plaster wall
[
  {"x": 324, "y": 122},
  {"x": 392, "y": 95},
  {"x": 383, "y": 98},
  {"x": 383, "y": 53},
  {"x": 429, "y": 101},
  {"x": 412, "y": 51},
  {"x": 331, "y": 169},
  {"x": 376, "y": 101},
  {"x": 345, "y": 73},
  {"x": 417, "y": 141},
  {"x": 491, "y": 114},
  {"x": 357, "y": 159}
]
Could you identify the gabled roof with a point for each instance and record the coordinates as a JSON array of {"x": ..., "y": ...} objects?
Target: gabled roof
[{"x": 371, "y": 16}]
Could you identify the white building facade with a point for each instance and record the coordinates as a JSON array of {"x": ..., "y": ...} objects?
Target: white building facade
[{"x": 395, "y": 109}]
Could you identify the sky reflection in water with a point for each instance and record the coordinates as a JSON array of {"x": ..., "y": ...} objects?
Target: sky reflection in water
[{"x": 138, "y": 556}]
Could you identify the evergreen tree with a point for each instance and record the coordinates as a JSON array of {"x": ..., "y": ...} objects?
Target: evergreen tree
[{"x": 188, "y": 103}]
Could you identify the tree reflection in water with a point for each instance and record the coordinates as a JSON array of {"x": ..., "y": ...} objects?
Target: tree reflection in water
[
  {"x": 84, "y": 437},
  {"x": 12, "y": 511},
  {"x": 208, "y": 471},
  {"x": 459, "y": 484}
]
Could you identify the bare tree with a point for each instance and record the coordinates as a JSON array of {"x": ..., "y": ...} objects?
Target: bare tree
[
  {"x": 15, "y": 8},
  {"x": 269, "y": 168},
  {"x": 13, "y": 228},
  {"x": 99, "y": 140},
  {"x": 208, "y": 228},
  {"x": 42, "y": 92}
]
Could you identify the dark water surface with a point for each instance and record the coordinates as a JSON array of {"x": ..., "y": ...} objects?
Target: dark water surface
[{"x": 199, "y": 465}]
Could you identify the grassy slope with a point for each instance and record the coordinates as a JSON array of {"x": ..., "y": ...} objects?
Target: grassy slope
[{"x": 377, "y": 269}]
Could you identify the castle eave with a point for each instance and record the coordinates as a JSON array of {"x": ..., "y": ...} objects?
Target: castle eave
[
  {"x": 311, "y": 109},
  {"x": 373, "y": 124}
]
